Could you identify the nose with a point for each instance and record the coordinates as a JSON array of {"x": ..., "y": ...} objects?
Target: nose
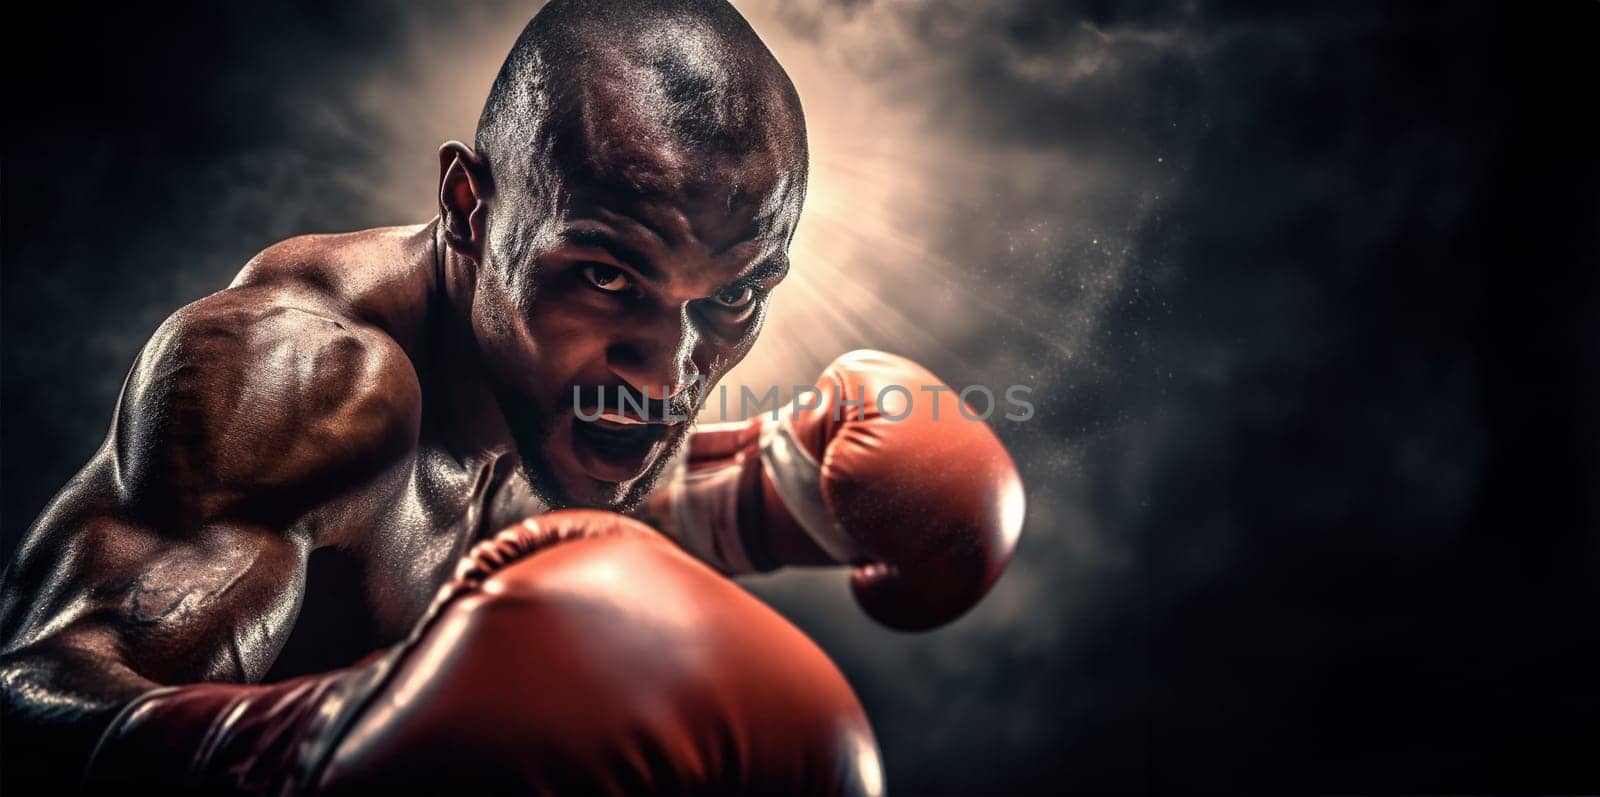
[{"x": 656, "y": 357}]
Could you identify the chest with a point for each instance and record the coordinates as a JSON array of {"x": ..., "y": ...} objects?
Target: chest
[{"x": 404, "y": 535}]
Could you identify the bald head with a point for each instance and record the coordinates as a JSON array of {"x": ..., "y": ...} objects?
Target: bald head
[
  {"x": 638, "y": 175},
  {"x": 651, "y": 96}
]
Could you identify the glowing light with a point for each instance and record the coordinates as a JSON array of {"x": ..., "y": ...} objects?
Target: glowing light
[
  {"x": 911, "y": 228},
  {"x": 869, "y": 766}
]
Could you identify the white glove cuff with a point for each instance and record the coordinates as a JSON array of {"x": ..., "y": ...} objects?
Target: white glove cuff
[{"x": 797, "y": 476}]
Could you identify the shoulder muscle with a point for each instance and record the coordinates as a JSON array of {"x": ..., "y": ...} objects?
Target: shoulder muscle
[{"x": 240, "y": 398}]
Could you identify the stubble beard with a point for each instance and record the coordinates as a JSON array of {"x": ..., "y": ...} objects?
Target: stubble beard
[{"x": 533, "y": 438}]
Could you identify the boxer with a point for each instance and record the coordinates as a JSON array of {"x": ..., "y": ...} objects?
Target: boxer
[{"x": 404, "y": 396}]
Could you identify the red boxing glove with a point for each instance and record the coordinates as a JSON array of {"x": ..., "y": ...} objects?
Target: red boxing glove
[
  {"x": 882, "y": 468},
  {"x": 577, "y": 652}
]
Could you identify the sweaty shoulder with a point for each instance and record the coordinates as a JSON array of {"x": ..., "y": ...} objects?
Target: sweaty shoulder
[
  {"x": 383, "y": 277},
  {"x": 260, "y": 398}
]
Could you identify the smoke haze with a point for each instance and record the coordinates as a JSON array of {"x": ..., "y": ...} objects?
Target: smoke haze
[{"x": 1305, "y": 298}]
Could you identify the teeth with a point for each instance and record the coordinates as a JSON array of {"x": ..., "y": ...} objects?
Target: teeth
[{"x": 621, "y": 419}]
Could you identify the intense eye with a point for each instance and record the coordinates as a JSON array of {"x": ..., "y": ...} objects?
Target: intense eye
[
  {"x": 607, "y": 278},
  {"x": 735, "y": 298}
]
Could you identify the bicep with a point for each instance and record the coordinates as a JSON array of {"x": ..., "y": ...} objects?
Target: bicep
[
  {"x": 217, "y": 606},
  {"x": 96, "y": 583}
]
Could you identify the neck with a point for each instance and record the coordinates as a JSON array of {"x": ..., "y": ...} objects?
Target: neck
[
  {"x": 469, "y": 418},
  {"x": 456, "y": 390},
  {"x": 454, "y": 278}
]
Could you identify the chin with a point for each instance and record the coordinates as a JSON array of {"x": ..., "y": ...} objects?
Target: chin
[
  {"x": 565, "y": 485},
  {"x": 573, "y": 489},
  {"x": 595, "y": 494}
]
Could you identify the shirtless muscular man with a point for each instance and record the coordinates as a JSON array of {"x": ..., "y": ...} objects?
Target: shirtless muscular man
[{"x": 406, "y": 396}]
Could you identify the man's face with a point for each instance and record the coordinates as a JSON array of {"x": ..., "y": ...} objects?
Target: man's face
[{"x": 658, "y": 292}]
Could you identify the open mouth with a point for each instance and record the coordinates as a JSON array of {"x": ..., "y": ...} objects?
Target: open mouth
[{"x": 615, "y": 447}]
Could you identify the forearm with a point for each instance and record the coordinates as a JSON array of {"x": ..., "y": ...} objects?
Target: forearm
[
  {"x": 56, "y": 699},
  {"x": 718, "y": 503}
]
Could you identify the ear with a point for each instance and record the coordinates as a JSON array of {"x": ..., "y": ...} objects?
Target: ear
[{"x": 463, "y": 196}]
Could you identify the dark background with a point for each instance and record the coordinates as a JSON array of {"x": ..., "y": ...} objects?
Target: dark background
[{"x": 1310, "y": 314}]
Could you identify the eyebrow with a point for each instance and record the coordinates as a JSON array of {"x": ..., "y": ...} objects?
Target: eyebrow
[
  {"x": 772, "y": 269},
  {"x": 598, "y": 239}
]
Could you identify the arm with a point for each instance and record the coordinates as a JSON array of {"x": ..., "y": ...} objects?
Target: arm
[
  {"x": 577, "y": 652},
  {"x": 176, "y": 554}
]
